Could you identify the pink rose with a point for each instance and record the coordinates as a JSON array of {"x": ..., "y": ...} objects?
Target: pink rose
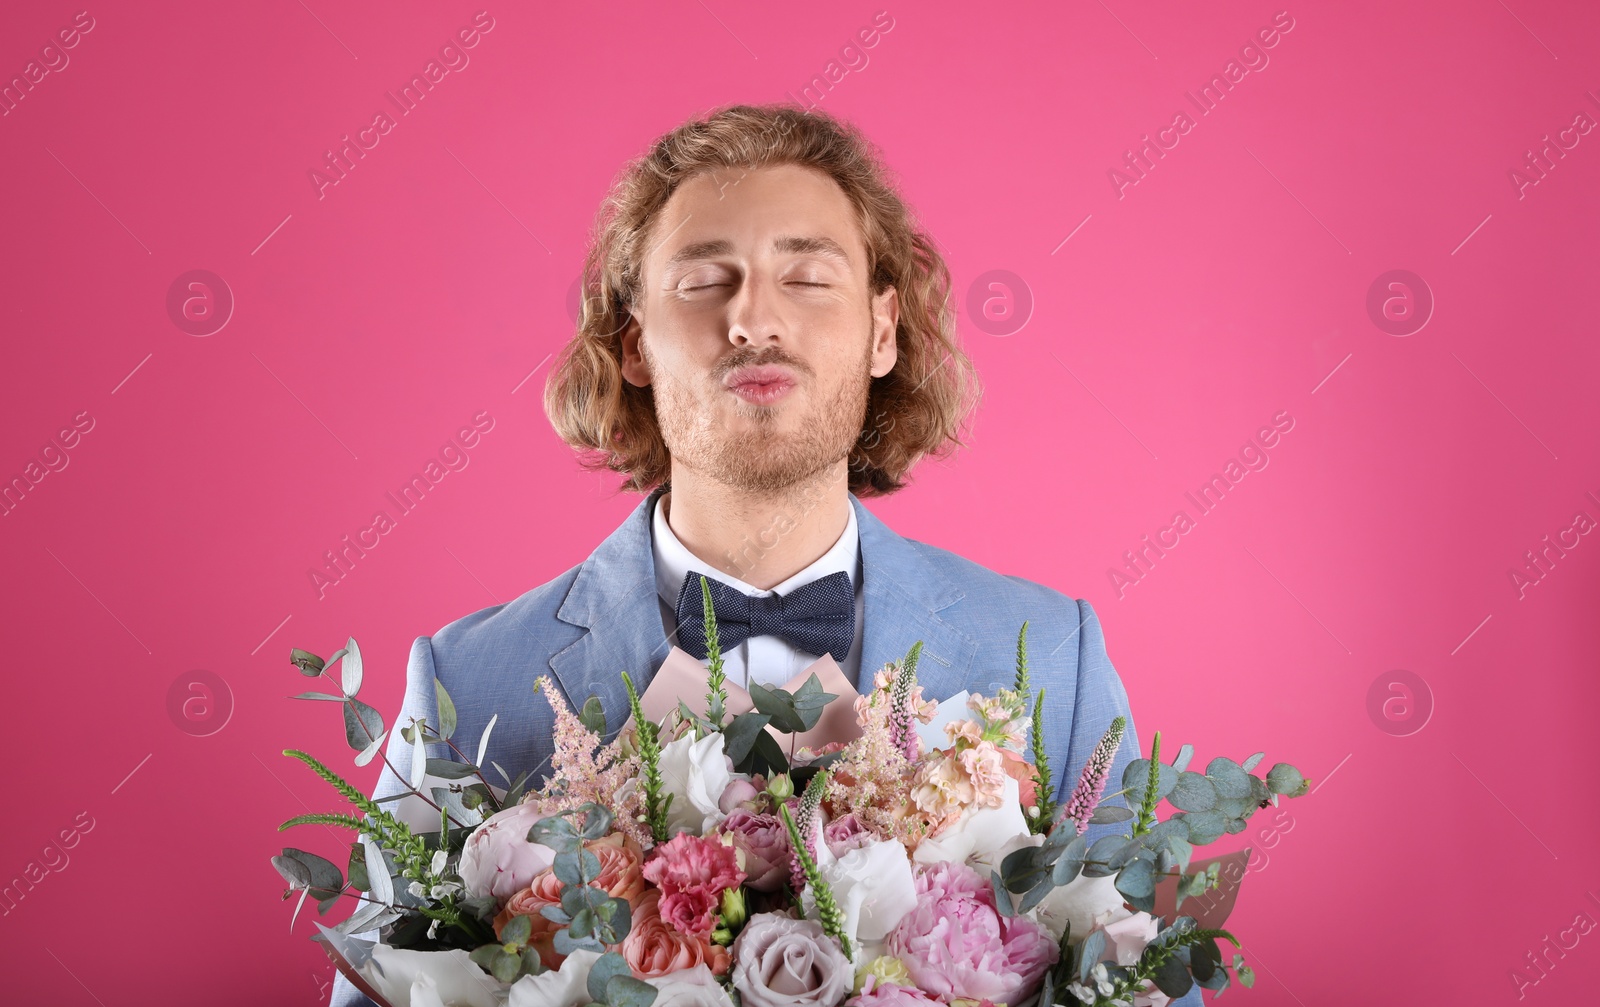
[
  {"x": 654, "y": 948},
  {"x": 845, "y": 834},
  {"x": 692, "y": 873},
  {"x": 498, "y": 860},
  {"x": 764, "y": 841},
  {"x": 955, "y": 944},
  {"x": 741, "y": 793}
]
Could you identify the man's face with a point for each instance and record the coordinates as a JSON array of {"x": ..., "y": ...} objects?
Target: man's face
[{"x": 758, "y": 332}]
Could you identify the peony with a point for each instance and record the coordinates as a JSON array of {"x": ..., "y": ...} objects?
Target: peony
[
  {"x": 696, "y": 987},
  {"x": 873, "y": 886},
  {"x": 779, "y": 961},
  {"x": 655, "y": 948},
  {"x": 567, "y": 987},
  {"x": 692, "y": 873},
  {"x": 764, "y": 841},
  {"x": 620, "y": 877},
  {"x": 695, "y": 773},
  {"x": 879, "y": 994},
  {"x": 955, "y": 944},
  {"x": 498, "y": 859},
  {"x": 396, "y": 974}
]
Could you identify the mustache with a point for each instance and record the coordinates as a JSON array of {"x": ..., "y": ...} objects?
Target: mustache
[{"x": 769, "y": 356}]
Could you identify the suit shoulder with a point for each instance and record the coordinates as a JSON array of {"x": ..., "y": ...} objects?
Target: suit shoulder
[
  {"x": 981, "y": 585},
  {"x": 513, "y": 625}
]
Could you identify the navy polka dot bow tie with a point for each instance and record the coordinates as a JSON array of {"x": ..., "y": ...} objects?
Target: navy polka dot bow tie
[{"x": 815, "y": 618}]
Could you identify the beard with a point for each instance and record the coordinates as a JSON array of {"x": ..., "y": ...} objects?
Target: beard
[{"x": 762, "y": 458}]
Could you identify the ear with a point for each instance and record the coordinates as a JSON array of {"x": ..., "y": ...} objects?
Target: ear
[
  {"x": 885, "y": 322},
  {"x": 635, "y": 371}
]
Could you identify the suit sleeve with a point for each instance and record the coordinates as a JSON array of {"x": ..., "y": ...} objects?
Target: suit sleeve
[
  {"x": 419, "y": 701},
  {"x": 1100, "y": 699}
]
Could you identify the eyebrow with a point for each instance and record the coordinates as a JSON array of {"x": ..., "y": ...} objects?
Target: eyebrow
[{"x": 795, "y": 244}]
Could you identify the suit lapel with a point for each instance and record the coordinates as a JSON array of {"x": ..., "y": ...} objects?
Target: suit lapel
[
  {"x": 614, "y": 597},
  {"x": 904, "y": 595}
]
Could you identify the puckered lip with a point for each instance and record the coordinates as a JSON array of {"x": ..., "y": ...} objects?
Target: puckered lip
[{"x": 770, "y": 375}]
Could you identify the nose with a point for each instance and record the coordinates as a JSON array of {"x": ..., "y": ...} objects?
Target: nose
[{"x": 755, "y": 313}]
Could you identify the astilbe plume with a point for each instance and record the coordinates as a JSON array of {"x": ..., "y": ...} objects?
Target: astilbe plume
[
  {"x": 1092, "y": 783},
  {"x": 872, "y": 777},
  {"x": 583, "y": 770}
]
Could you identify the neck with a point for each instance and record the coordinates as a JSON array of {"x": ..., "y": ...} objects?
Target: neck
[{"x": 762, "y": 539}]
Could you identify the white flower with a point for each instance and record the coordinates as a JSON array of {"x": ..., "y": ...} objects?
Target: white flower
[
  {"x": 695, "y": 772},
  {"x": 695, "y": 987},
  {"x": 979, "y": 834},
  {"x": 436, "y": 866},
  {"x": 450, "y": 977},
  {"x": 1126, "y": 937},
  {"x": 1084, "y": 903},
  {"x": 873, "y": 886},
  {"x": 568, "y": 987}
]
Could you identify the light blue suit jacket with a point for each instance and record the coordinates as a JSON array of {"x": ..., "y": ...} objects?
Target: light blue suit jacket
[{"x": 603, "y": 617}]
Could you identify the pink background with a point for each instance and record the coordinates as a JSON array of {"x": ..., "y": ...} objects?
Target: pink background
[{"x": 1228, "y": 285}]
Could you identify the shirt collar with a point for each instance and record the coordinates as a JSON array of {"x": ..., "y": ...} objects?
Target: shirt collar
[{"x": 674, "y": 562}]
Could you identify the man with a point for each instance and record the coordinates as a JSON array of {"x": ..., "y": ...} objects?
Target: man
[{"x": 766, "y": 337}]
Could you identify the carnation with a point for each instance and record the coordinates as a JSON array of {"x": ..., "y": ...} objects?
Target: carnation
[{"x": 692, "y": 873}]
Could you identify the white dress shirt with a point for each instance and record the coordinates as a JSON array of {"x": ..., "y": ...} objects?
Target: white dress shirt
[{"x": 771, "y": 661}]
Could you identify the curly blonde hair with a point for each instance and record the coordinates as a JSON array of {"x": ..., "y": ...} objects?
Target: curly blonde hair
[{"x": 919, "y": 408}]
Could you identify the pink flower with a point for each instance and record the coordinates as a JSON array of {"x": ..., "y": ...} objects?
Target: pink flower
[
  {"x": 955, "y": 944},
  {"x": 986, "y": 768},
  {"x": 741, "y": 793},
  {"x": 877, "y": 994},
  {"x": 845, "y": 834},
  {"x": 764, "y": 841},
  {"x": 498, "y": 860},
  {"x": 692, "y": 873}
]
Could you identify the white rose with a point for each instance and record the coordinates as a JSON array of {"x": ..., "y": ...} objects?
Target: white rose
[
  {"x": 980, "y": 833},
  {"x": 399, "y": 974},
  {"x": 566, "y": 987},
  {"x": 1084, "y": 903},
  {"x": 695, "y": 773},
  {"x": 695, "y": 987},
  {"x": 873, "y": 886}
]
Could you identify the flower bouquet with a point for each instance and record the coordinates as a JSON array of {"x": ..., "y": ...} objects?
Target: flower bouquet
[{"x": 695, "y": 861}]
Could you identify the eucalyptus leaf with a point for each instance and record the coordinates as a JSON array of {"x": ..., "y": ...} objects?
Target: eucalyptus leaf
[
  {"x": 1002, "y": 898},
  {"x": 378, "y": 872},
  {"x": 739, "y": 737},
  {"x": 350, "y": 668},
  {"x": 1227, "y": 776},
  {"x": 1184, "y": 755},
  {"x": 419, "y": 758},
  {"x": 360, "y": 732},
  {"x": 366, "y": 754},
  {"x": 1109, "y": 814},
  {"x": 310, "y": 665},
  {"x": 779, "y": 705},
  {"x": 1172, "y": 978},
  {"x": 330, "y": 697},
  {"x": 298, "y": 875},
  {"x": 626, "y": 991},
  {"x": 447, "y": 710},
  {"x": 1089, "y": 952},
  {"x": 607, "y": 965},
  {"x": 1137, "y": 775},
  {"x": 1204, "y": 826},
  {"x": 809, "y": 700},
  {"x": 1137, "y": 880},
  {"x": 1284, "y": 779},
  {"x": 483, "y": 744},
  {"x": 1070, "y": 862},
  {"x": 449, "y": 769},
  {"x": 593, "y": 715},
  {"x": 517, "y": 931},
  {"x": 358, "y": 867},
  {"x": 1254, "y": 761},
  {"x": 1193, "y": 792}
]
